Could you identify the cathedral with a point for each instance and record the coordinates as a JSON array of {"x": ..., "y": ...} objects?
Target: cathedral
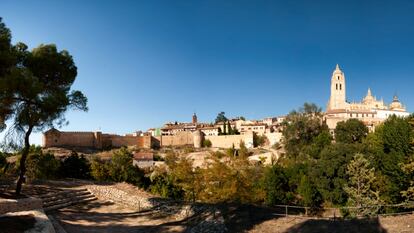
[{"x": 370, "y": 110}]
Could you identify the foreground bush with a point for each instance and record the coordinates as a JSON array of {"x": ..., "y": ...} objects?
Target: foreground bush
[
  {"x": 42, "y": 166},
  {"x": 119, "y": 169},
  {"x": 75, "y": 166}
]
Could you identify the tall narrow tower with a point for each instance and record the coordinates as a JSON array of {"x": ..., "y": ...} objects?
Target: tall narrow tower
[
  {"x": 338, "y": 93},
  {"x": 194, "y": 120}
]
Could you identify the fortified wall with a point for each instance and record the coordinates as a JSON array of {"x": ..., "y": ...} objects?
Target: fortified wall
[
  {"x": 95, "y": 140},
  {"x": 98, "y": 140}
]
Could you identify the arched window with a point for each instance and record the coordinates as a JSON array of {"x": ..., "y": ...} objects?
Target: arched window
[
  {"x": 338, "y": 77},
  {"x": 340, "y": 86},
  {"x": 337, "y": 86}
]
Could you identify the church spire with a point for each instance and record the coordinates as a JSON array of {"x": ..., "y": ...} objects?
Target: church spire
[
  {"x": 369, "y": 92},
  {"x": 337, "y": 67}
]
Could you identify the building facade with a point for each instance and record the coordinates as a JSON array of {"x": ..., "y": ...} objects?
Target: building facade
[{"x": 370, "y": 110}]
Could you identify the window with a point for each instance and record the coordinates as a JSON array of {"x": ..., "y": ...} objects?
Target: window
[
  {"x": 340, "y": 86},
  {"x": 338, "y": 77},
  {"x": 337, "y": 86}
]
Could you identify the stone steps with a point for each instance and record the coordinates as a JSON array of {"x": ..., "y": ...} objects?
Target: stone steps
[{"x": 63, "y": 198}]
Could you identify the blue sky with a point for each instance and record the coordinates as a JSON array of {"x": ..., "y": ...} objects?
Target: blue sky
[{"x": 143, "y": 63}]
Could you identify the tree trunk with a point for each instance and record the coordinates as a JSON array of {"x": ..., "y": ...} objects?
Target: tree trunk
[{"x": 25, "y": 152}]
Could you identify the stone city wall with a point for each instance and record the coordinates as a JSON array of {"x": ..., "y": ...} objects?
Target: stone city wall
[
  {"x": 97, "y": 140},
  {"x": 25, "y": 204},
  {"x": 181, "y": 139},
  {"x": 65, "y": 139},
  {"x": 228, "y": 141},
  {"x": 119, "y": 141}
]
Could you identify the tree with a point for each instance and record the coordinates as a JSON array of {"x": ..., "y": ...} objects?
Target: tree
[
  {"x": 7, "y": 61},
  {"x": 35, "y": 92},
  {"x": 229, "y": 129},
  {"x": 121, "y": 168},
  {"x": 301, "y": 128},
  {"x": 360, "y": 190},
  {"x": 310, "y": 195},
  {"x": 275, "y": 185},
  {"x": 350, "y": 131},
  {"x": 409, "y": 170},
  {"x": 330, "y": 171},
  {"x": 390, "y": 146},
  {"x": 397, "y": 135},
  {"x": 221, "y": 117}
]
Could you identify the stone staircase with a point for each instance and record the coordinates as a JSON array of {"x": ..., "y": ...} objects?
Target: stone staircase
[{"x": 65, "y": 197}]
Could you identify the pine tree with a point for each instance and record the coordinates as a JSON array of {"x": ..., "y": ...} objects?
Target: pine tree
[
  {"x": 361, "y": 193},
  {"x": 230, "y": 130}
]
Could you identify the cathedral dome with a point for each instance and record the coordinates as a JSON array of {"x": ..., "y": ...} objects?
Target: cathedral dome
[{"x": 396, "y": 104}]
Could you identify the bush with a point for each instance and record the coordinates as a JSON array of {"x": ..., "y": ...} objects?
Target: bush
[
  {"x": 100, "y": 170},
  {"x": 75, "y": 166},
  {"x": 259, "y": 140},
  {"x": 207, "y": 143},
  {"x": 243, "y": 151},
  {"x": 41, "y": 166},
  {"x": 121, "y": 168},
  {"x": 163, "y": 185}
]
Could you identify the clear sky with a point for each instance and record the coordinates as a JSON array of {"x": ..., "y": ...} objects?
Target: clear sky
[{"x": 143, "y": 63}]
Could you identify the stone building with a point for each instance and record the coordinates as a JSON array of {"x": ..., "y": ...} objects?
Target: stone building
[
  {"x": 258, "y": 128},
  {"x": 370, "y": 110}
]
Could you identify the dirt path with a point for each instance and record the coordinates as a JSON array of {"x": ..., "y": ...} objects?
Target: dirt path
[{"x": 103, "y": 216}]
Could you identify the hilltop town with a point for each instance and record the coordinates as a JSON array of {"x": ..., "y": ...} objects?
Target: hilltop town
[
  {"x": 227, "y": 133},
  {"x": 346, "y": 167}
]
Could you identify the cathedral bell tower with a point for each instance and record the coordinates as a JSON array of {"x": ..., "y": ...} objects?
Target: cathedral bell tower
[{"x": 338, "y": 93}]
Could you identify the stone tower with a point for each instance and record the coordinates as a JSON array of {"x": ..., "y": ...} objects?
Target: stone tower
[
  {"x": 338, "y": 91},
  {"x": 194, "y": 119},
  {"x": 198, "y": 139}
]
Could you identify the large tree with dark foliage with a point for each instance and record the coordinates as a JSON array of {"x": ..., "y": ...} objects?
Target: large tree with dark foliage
[
  {"x": 35, "y": 89},
  {"x": 350, "y": 131},
  {"x": 301, "y": 130}
]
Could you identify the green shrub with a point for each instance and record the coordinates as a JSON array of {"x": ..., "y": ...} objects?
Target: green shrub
[
  {"x": 75, "y": 166},
  {"x": 207, "y": 143},
  {"x": 121, "y": 168},
  {"x": 100, "y": 170},
  {"x": 259, "y": 140},
  {"x": 41, "y": 166}
]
